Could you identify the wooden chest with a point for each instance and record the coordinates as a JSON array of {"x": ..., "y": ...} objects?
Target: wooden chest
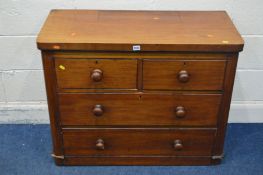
[{"x": 138, "y": 87}]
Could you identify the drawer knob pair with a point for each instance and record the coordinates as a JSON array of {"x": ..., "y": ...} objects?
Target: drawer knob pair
[
  {"x": 98, "y": 110},
  {"x": 96, "y": 75},
  {"x": 183, "y": 76},
  {"x": 178, "y": 145},
  {"x": 100, "y": 144},
  {"x": 180, "y": 112}
]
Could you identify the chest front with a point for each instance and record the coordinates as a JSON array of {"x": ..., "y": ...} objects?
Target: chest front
[{"x": 137, "y": 87}]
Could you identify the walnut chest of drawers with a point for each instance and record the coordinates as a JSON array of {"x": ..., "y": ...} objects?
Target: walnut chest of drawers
[{"x": 138, "y": 87}]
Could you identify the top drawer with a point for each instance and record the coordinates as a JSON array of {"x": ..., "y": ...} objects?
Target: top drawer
[
  {"x": 96, "y": 73},
  {"x": 183, "y": 75}
]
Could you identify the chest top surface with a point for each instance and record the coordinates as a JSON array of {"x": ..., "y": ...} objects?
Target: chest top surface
[{"x": 152, "y": 30}]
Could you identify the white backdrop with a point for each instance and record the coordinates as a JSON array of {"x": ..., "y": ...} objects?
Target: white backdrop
[{"x": 22, "y": 93}]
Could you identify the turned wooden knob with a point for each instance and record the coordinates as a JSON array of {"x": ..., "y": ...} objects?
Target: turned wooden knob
[
  {"x": 180, "y": 112},
  {"x": 96, "y": 75},
  {"x": 100, "y": 144},
  {"x": 98, "y": 110},
  {"x": 183, "y": 76},
  {"x": 178, "y": 145}
]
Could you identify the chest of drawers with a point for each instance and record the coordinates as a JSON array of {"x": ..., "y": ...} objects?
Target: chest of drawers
[{"x": 138, "y": 87}]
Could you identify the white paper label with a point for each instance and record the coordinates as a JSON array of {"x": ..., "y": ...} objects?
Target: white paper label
[{"x": 136, "y": 48}]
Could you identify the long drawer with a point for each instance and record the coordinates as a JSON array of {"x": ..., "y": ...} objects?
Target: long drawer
[
  {"x": 96, "y": 73},
  {"x": 136, "y": 142},
  {"x": 183, "y": 74},
  {"x": 139, "y": 109}
]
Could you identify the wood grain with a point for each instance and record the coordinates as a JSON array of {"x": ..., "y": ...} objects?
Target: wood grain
[
  {"x": 152, "y": 30},
  {"x": 141, "y": 160},
  {"x": 50, "y": 82},
  {"x": 142, "y": 55},
  {"x": 164, "y": 104},
  {"x": 203, "y": 75},
  {"x": 118, "y": 74},
  {"x": 136, "y": 142},
  {"x": 225, "y": 107},
  {"x": 139, "y": 109}
]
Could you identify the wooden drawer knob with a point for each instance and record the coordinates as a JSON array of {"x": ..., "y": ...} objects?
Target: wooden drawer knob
[
  {"x": 178, "y": 145},
  {"x": 100, "y": 144},
  {"x": 96, "y": 75},
  {"x": 183, "y": 76},
  {"x": 98, "y": 110},
  {"x": 180, "y": 112}
]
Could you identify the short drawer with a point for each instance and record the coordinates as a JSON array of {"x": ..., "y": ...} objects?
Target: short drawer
[
  {"x": 136, "y": 142},
  {"x": 96, "y": 73},
  {"x": 183, "y": 75},
  {"x": 139, "y": 109}
]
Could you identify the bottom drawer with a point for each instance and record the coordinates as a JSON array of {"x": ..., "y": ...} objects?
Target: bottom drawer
[{"x": 138, "y": 142}]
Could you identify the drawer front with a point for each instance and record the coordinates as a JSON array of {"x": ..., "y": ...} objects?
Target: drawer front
[
  {"x": 139, "y": 109},
  {"x": 183, "y": 75},
  {"x": 126, "y": 142},
  {"x": 96, "y": 73}
]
